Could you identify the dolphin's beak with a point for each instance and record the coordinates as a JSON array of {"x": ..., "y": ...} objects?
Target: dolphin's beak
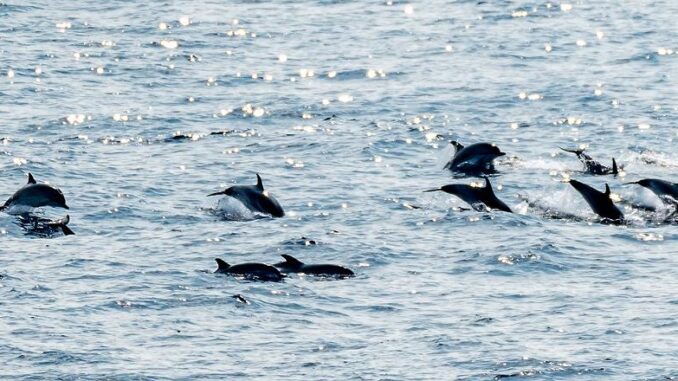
[
  {"x": 433, "y": 190},
  {"x": 631, "y": 183},
  {"x": 501, "y": 153},
  {"x": 66, "y": 206},
  {"x": 216, "y": 194}
]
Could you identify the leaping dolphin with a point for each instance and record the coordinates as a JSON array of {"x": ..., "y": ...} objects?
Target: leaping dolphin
[
  {"x": 255, "y": 198},
  {"x": 600, "y": 202},
  {"x": 665, "y": 190},
  {"x": 251, "y": 271},
  {"x": 475, "y": 196},
  {"x": 34, "y": 195},
  {"x": 293, "y": 265},
  {"x": 591, "y": 166},
  {"x": 476, "y": 158}
]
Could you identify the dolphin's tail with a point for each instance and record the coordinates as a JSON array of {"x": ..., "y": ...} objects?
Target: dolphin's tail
[
  {"x": 67, "y": 230},
  {"x": 615, "y": 170},
  {"x": 574, "y": 151}
]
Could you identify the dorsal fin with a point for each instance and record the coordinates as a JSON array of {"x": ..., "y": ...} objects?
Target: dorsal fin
[
  {"x": 260, "y": 184},
  {"x": 31, "y": 180},
  {"x": 290, "y": 260},
  {"x": 607, "y": 190},
  {"x": 222, "y": 266},
  {"x": 614, "y": 167},
  {"x": 487, "y": 183}
]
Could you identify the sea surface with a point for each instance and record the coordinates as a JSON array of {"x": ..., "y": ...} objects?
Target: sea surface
[{"x": 138, "y": 111}]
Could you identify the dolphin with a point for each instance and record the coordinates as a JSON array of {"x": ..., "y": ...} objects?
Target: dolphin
[
  {"x": 61, "y": 224},
  {"x": 476, "y": 158},
  {"x": 34, "y": 195},
  {"x": 591, "y": 166},
  {"x": 251, "y": 271},
  {"x": 293, "y": 265},
  {"x": 44, "y": 226},
  {"x": 665, "y": 190},
  {"x": 475, "y": 196},
  {"x": 600, "y": 202},
  {"x": 255, "y": 198}
]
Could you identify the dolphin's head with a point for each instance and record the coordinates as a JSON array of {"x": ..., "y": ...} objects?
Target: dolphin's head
[
  {"x": 55, "y": 198},
  {"x": 496, "y": 151},
  {"x": 59, "y": 201},
  {"x": 228, "y": 192}
]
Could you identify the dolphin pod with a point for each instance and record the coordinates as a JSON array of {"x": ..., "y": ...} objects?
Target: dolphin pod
[
  {"x": 475, "y": 196},
  {"x": 474, "y": 159},
  {"x": 34, "y": 195},
  {"x": 254, "y": 197}
]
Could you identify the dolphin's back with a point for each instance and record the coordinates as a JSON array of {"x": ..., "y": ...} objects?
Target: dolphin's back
[
  {"x": 256, "y": 200},
  {"x": 663, "y": 188},
  {"x": 326, "y": 270},
  {"x": 599, "y": 202},
  {"x": 36, "y": 195},
  {"x": 257, "y": 271},
  {"x": 467, "y": 193},
  {"x": 476, "y": 156}
]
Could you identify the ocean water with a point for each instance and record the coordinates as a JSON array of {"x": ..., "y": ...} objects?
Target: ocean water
[{"x": 345, "y": 108}]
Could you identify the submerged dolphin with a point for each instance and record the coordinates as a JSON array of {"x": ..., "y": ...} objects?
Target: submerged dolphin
[
  {"x": 293, "y": 265},
  {"x": 600, "y": 202},
  {"x": 665, "y": 190},
  {"x": 34, "y": 195},
  {"x": 255, "y": 198},
  {"x": 475, "y": 196},
  {"x": 44, "y": 226},
  {"x": 476, "y": 158},
  {"x": 252, "y": 271},
  {"x": 593, "y": 167},
  {"x": 62, "y": 224}
]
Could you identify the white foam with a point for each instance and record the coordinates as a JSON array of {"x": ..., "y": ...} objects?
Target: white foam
[{"x": 232, "y": 209}]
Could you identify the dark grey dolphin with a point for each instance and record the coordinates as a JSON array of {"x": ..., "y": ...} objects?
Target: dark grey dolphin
[
  {"x": 666, "y": 190},
  {"x": 34, "y": 195},
  {"x": 62, "y": 224},
  {"x": 252, "y": 271},
  {"x": 293, "y": 265},
  {"x": 600, "y": 202},
  {"x": 476, "y": 158},
  {"x": 591, "y": 166},
  {"x": 43, "y": 226},
  {"x": 255, "y": 198},
  {"x": 475, "y": 196}
]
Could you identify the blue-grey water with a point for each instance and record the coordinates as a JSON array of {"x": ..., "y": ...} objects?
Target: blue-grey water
[{"x": 345, "y": 108}]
